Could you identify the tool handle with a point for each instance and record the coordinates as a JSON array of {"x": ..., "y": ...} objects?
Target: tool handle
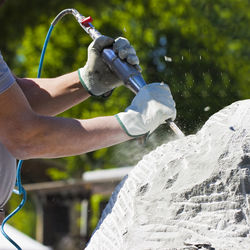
[{"x": 126, "y": 72}]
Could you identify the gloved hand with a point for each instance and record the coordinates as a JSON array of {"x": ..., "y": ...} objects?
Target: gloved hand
[
  {"x": 152, "y": 105},
  {"x": 96, "y": 76}
]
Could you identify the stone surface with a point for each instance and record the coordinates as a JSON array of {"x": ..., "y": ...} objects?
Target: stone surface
[{"x": 191, "y": 193}]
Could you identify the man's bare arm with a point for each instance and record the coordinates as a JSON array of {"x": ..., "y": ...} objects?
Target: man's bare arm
[
  {"x": 54, "y": 95},
  {"x": 30, "y": 135}
]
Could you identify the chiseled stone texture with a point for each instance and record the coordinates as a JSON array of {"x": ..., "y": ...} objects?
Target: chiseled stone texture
[{"x": 191, "y": 193}]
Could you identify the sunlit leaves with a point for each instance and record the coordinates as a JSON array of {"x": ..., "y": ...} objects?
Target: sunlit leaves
[{"x": 208, "y": 43}]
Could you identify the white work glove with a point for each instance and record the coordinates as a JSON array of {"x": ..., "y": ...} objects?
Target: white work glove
[
  {"x": 151, "y": 107},
  {"x": 95, "y": 76}
]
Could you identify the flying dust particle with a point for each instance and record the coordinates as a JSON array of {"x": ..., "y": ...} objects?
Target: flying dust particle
[
  {"x": 206, "y": 108},
  {"x": 167, "y": 59}
]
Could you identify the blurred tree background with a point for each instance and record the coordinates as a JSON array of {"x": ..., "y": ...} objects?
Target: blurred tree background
[{"x": 201, "y": 48}]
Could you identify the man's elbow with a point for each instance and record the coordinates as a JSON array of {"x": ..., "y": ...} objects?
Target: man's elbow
[
  {"x": 20, "y": 141},
  {"x": 20, "y": 153},
  {"x": 20, "y": 149}
]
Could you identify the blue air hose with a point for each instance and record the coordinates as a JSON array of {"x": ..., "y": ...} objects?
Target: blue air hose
[
  {"x": 19, "y": 191},
  {"x": 44, "y": 50}
]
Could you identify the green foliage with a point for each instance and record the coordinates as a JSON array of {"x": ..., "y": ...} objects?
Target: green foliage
[
  {"x": 95, "y": 203},
  {"x": 208, "y": 42},
  {"x": 26, "y": 220}
]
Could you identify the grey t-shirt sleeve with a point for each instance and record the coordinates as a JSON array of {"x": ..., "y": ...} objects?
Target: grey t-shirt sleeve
[
  {"x": 7, "y": 174},
  {"x": 6, "y": 77},
  {"x": 7, "y": 161}
]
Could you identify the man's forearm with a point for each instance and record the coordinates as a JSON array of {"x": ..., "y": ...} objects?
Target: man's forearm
[
  {"x": 52, "y": 137},
  {"x": 54, "y": 95}
]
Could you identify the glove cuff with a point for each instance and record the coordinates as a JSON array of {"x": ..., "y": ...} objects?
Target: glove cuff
[
  {"x": 92, "y": 86},
  {"x": 131, "y": 123},
  {"x": 82, "y": 81}
]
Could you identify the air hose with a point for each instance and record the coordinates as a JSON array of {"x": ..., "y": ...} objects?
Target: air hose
[{"x": 19, "y": 191}]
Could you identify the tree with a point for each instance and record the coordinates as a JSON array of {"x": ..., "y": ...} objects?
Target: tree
[{"x": 207, "y": 42}]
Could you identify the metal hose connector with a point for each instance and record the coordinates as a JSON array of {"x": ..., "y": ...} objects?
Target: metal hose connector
[{"x": 73, "y": 12}]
